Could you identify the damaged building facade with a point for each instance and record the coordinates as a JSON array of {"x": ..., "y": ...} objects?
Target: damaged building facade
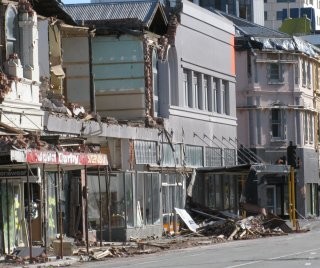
[
  {"x": 107, "y": 137},
  {"x": 35, "y": 169},
  {"x": 163, "y": 109},
  {"x": 277, "y": 79}
]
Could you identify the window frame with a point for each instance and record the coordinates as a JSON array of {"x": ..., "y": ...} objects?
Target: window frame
[
  {"x": 279, "y": 122},
  {"x": 275, "y": 73},
  {"x": 11, "y": 30}
]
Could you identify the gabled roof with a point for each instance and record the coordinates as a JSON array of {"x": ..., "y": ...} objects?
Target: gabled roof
[
  {"x": 140, "y": 11},
  {"x": 52, "y": 8},
  {"x": 250, "y": 35},
  {"x": 247, "y": 28}
]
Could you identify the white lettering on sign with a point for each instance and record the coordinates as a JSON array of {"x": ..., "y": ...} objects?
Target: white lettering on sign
[
  {"x": 65, "y": 158},
  {"x": 69, "y": 159}
]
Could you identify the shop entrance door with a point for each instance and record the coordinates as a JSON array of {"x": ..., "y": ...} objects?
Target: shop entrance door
[{"x": 271, "y": 199}]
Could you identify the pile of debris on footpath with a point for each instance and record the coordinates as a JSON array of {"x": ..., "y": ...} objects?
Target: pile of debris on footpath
[
  {"x": 233, "y": 227},
  {"x": 197, "y": 227},
  {"x": 211, "y": 227}
]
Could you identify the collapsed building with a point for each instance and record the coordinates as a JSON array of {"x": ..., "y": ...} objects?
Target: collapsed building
[{"x": 35, "y": 169}]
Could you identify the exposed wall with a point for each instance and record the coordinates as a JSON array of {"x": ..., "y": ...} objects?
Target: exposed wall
[
  {"x": 43, "y": 48},
  {"x": 76, "y": 66},
  {"x": 118, "y": 68}
]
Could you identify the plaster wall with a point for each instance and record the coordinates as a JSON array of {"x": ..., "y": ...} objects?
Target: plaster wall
[
  {"x": 76, "y": 66},
  {"x": 203, "y": 44}
]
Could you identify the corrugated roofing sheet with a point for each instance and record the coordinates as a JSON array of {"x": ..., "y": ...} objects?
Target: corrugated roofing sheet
[
  {"x": 252, "y": 29},
  {"x": 140, "y": 10}
]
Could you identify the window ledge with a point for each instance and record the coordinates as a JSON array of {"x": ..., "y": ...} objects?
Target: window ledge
[
  {"x": 276, "y": 82},
  {"x": 278, "y": 140}
]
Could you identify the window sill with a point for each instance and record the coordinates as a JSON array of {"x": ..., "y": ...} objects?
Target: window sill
[
  {"x": 276, "y": 82},
  {"x": 278, "y": 140}
]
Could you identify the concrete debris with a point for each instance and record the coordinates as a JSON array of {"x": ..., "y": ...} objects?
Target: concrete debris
[
  {"x": 5, "y": 86},
  {"x": 49, "y": 105},
  {"x": 21, "y": 142},
  {"x": 109, "y": 120},
  {"x": 98, "y": 253},
  {"x": 21, "y": 255},
  {"x": 232, "y": 227}
]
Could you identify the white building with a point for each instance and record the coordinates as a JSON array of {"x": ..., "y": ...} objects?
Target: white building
[
  {"x": 277, "y": 10},
  {"x": 277, "y": 77},
  {"x": 20, "y": 80}
]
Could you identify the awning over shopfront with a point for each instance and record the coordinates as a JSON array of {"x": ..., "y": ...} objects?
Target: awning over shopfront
[
  {"x": 260, "y": 169},
  {"x": 239, "y": 169}
]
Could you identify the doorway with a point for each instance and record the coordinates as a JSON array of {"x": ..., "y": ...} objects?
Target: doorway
[{"x": 271, "y": 199}]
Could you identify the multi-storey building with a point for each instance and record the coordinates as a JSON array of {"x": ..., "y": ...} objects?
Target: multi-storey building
[
  {"x": 176, "y": 102},
  {"x": 277, "y": 77},
  {"x": 278, "y": 10}
]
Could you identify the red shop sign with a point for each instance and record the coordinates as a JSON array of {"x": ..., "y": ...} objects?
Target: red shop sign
[{"x": 66, "y": 158}]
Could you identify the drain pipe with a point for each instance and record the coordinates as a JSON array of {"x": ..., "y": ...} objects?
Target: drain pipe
[{"x": 91, "y": 33}]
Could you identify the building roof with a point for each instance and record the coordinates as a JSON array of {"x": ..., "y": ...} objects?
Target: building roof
[
  {"x": 52, "y": 8},
  {"x": 250, "y": 35},
  {"x": 247, "y": 28},
  {"x": 142, "y": 11}
]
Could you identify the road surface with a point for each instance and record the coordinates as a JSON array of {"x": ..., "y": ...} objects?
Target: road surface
[{"x": 294, "y": 250}]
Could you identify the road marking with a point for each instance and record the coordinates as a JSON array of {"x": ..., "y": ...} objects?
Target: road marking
[
  {"x": 308, "y": 264},
  {"x": 275, "y": 258}
]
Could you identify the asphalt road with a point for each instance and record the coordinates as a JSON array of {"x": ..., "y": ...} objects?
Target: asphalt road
[{"x": 294, "y": 250}]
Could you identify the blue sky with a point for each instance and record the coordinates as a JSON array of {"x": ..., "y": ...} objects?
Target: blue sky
[{"x": 75, "y": 1}]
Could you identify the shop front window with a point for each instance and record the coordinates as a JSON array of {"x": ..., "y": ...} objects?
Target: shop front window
[
  {"x": 172, "y": 196},
  {"x": 121, "y": 200},
  {"x": 12, "y": 215},
  {"x": 148, "y": 199}
]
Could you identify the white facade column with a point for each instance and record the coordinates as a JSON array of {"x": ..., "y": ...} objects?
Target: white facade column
[
  {"x": 202, "y": 93},
  {"x": 219, "y": 96},
  {"x": 29, "y": 45}
]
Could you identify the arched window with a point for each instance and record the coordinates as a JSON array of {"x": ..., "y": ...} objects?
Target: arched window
[{"x": 11, "y": 30}]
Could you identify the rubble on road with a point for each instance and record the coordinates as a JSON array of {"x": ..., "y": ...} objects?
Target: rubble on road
[
  {"x": 232, "y": 227},
  {"x": 212, "y": 227}
]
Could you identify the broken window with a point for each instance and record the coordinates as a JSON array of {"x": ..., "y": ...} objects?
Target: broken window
[
  {"x": 145, "y": 152},
  {"x": 194, "y": 156}
]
